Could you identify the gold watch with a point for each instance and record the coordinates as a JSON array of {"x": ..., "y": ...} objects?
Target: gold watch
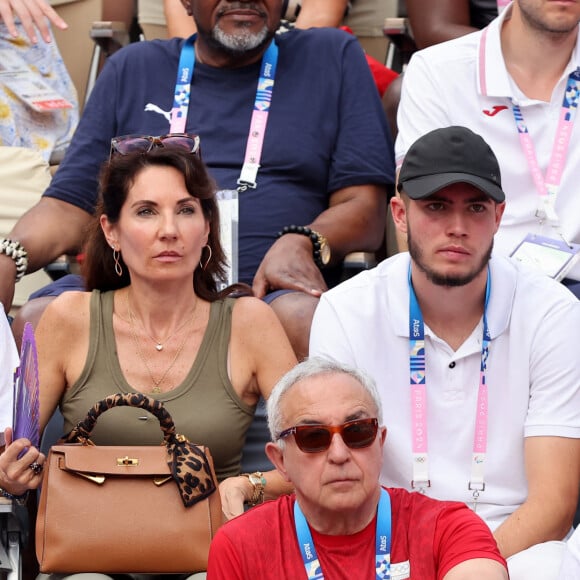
[
  {"x": 321, "y": 253},
  {"x": 324, "y": 252},
  {"x": 258, "y": 480}
]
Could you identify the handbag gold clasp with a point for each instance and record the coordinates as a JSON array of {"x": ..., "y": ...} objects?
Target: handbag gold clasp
[{"x": 127, "y": 461}]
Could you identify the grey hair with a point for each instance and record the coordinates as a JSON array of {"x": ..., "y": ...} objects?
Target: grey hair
[{"x": 309, "y": 368}]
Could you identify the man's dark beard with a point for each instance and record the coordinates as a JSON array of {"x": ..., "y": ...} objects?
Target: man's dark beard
[{"x": 445, "y": 279}]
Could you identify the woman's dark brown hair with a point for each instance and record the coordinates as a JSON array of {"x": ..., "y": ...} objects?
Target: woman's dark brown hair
[{"x": 117, "y": 177}]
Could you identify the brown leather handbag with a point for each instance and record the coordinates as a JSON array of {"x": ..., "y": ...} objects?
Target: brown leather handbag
[{"x": 109, "y": 509}]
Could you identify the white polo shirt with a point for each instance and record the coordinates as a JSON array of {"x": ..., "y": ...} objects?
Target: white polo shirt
[
  {"x": 464, "y": 82},
  {"x": 533, "y": 375},
  {"x": 9, "y": 360},
  {"x": 571, "y": 562}
]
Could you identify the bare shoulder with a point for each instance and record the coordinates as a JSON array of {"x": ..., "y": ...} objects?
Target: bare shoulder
[
  {"x": 67, "y": 310},
  {"x": 67, "y": 301},
  {"x": 250, "y": 310},
  {"x": 255, "y": 323}
]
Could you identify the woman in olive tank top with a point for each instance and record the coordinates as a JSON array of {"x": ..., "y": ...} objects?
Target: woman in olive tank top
[{"x": 155, "y": 321}]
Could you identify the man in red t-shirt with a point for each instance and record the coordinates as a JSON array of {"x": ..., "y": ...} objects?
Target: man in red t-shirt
[{"x": 340, "y": 523}]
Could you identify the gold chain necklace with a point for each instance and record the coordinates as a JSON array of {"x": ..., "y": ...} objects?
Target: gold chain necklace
[
  {"x": 157, "y": 382},
  {"x": 158, "y": 344}
]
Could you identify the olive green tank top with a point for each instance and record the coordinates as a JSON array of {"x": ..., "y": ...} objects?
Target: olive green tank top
[{"x": 204, "y": 407}]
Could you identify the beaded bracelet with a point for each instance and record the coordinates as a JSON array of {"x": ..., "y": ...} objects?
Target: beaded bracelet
[
  {"x": 314, "y": 238},
  {"x": 21, "y": 499},
  {"x": 19, "y": 255}
]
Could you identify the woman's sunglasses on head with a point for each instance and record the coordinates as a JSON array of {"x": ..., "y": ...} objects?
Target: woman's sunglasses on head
[
  {"x": 126, "y": 144},
  {"x": 315, "y": 438}
]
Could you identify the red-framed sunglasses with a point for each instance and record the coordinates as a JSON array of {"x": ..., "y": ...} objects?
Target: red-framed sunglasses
[
  {"x": 315, "y": 438},
  {"x": 126, "y": 144}
]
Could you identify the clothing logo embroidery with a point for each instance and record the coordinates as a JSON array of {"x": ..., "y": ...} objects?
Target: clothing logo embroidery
[
  {"x": 495, "y": 110},
  {"x": 401, "y": 570},
  {"x": 150, "y": 107}
]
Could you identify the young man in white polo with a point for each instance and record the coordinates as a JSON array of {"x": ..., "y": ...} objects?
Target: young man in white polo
[
  {"x": 475, "y": 357},
  {"x": 516, "y": 83}
]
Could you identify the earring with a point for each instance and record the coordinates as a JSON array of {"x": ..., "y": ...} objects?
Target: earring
[
  {"x": 204, "y": 266},
  {"x": 118, "y": 267}
]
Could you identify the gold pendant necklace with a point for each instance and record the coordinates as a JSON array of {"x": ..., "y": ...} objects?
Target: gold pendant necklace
[
  {"x": 159, "y": 345},
  {"x": 157, "y": 382}
]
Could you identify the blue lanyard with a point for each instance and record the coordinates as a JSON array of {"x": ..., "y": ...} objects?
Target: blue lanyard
[
  {"x": 383, "y": 541},
  {"x": 418, "y": 381},
  {"x": 417, "y": 333},
  {"x": 183, "y": 86},
  {"x": 262, "y": 101}
]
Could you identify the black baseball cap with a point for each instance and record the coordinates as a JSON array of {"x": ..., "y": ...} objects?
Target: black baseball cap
[{"x": 446, "y": 156}]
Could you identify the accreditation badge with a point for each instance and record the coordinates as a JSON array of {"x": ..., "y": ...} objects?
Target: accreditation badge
[
  {"x": 547, "y": 255},
  {"x": 401, "y": 570},
  {"x": 28, "y": 85},
  {"x": 229, "y": 217}
]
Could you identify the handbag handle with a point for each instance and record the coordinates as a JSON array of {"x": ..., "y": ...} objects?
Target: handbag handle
[
  {"x": 83, "y": 429},
  {"x": 190, "y": 467}
]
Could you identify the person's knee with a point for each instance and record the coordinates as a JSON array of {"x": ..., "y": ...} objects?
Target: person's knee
[
  {"x": 295, "y": 311},
  {"x": 30, "y": 311}
]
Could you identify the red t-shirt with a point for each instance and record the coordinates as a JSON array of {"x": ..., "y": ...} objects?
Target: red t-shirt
[{"x": 432, "y": 536}]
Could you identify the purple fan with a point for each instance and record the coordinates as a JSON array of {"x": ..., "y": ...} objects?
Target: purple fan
[{"x": 26, "y": 406}]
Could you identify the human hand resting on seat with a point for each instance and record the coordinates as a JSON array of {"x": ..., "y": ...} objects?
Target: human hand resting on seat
[
  {"x": 33, "y": 14},
  {"x": 17, "y": 476}
]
